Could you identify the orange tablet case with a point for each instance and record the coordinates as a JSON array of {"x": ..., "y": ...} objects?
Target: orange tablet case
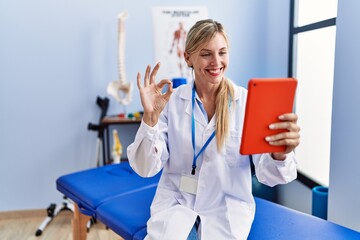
[{"x": 267, "y": 99}]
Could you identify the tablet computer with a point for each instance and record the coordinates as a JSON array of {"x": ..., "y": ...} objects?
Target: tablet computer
[{"x": 267, "y": 99}]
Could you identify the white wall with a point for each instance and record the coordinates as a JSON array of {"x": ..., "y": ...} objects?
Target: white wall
[
  {"x": 56, "y": 57},
  {"x": 295, "y": 195},
  {"x": 344, "y": 189}
]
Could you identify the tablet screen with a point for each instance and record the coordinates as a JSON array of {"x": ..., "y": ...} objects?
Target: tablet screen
[{"x": 267, "y": 99}]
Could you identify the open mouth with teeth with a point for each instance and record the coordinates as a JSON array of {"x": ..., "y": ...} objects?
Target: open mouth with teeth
[{"x": 214, "y": 72}]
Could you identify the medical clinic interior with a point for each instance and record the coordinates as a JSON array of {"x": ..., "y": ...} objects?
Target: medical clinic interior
[{"x": 70, "y": 107}]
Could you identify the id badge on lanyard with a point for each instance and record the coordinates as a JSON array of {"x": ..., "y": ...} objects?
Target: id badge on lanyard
[{"x": 188, "y": 184}]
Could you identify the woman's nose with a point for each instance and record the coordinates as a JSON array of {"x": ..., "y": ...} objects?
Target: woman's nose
[{"x": 215, "y": 60}]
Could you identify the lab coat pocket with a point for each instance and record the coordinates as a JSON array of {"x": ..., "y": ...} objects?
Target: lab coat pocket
[
  {"x": 240, "y": 216},
  {"x": 232, "y": 146},
  {"x": 164, "y": 199},
  {"x": 173, "y": 223}
]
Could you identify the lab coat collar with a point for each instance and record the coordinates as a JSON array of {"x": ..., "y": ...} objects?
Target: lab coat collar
[{"x": 186, "y": 94}]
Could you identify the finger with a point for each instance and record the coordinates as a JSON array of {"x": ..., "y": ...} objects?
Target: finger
[
  {"x": 169, "y": 91},
  {"x": 289, "y": 117},
  {"x": 154, "y": 72},
  {"x": 147, "y": 76},
  {"x": 290, "y": 126},
  {"x": 284, "y": 135},
  {"x": 289, "y": 143},
  {"x": 139, "y": 81},
  {"x": 163, "y": 82}
]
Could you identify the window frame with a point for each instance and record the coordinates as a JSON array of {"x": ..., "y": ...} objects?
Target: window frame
[{"x": 293, "y": 31}]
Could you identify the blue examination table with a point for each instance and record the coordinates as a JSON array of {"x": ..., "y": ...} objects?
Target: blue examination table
[
  {"x": 119, "y": 198},
  {"x": 90, "y": 188}
]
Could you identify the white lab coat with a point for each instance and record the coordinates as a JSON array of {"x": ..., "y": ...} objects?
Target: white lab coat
[{"x": 224, "y": 199}]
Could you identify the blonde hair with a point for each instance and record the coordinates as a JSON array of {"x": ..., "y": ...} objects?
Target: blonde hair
[{"x": 202, "y": 32}]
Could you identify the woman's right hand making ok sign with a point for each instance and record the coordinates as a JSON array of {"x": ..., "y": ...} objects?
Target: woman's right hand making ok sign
[{"x": 152, "y": 98}]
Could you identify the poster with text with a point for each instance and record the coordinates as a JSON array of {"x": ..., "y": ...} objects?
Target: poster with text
[{"x": 171, "y": 25}]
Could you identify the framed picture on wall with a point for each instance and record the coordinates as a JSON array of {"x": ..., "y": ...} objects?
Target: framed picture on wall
[{"x": 171, "y": 25}]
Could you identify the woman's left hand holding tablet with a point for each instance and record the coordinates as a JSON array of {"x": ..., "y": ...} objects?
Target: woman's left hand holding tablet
[{"x": 289, "y": 138}]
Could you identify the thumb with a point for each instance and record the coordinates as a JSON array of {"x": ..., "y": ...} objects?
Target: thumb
[
  {"x": 169, "y": 91},
  {"x": 163, "y": 82}
]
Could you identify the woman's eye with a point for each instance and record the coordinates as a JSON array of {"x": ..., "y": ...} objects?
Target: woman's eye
[{"x": 205, "y": 54}]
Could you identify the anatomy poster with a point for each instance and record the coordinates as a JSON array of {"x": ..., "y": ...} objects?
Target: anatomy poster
[{"x": 171, "y": 25}]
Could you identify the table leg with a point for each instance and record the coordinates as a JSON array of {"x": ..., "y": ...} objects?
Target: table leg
[
  {"x": 79, "y": 224},
  {"x": 107, "y": 158},
  {"x": 103, "y": 138}
]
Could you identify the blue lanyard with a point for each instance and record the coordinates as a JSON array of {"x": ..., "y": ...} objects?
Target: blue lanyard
[{"x": 193, "y": 135}]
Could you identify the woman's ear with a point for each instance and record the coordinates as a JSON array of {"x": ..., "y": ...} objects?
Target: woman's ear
[{"x": 187, "y": 59}]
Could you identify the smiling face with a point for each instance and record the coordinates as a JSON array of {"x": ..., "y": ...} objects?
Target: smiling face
[{"x": 210, "y": 60}]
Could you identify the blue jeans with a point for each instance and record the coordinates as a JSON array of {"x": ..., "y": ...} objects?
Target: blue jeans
[{"x": 193, "y": 234}]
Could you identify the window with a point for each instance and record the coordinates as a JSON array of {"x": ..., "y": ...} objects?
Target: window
[
  {"x": 311, "y": 61},
  {"x": 310, "y": 11}
]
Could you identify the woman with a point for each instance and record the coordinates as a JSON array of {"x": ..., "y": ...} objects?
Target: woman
[{"x": 193, "y": 135}]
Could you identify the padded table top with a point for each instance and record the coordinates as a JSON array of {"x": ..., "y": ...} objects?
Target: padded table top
[
  {"x": 90, "y": 188},
  {"x": 126, "y": 215},
  {"x": 272, "y": 221}
]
